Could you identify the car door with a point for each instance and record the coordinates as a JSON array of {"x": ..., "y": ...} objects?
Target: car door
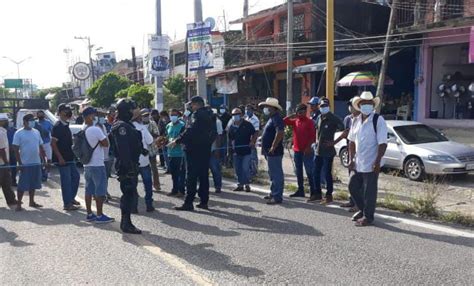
[{"x": 394, "y": 154}]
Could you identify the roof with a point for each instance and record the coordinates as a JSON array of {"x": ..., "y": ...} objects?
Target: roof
[
  {"x": 353, "y": 60},
  {"x": 265, "y": 13},
  {"x": 241, "y": 68}
]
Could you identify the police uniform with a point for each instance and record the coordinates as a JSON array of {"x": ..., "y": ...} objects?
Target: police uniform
[
  {"x": 127, "y": 143},
  {"x": 197, "y": 139}
]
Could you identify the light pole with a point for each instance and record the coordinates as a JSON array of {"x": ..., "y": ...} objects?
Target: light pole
[
  {"x": 89, "y": 48},
  {"x": 18, "y": 63}
]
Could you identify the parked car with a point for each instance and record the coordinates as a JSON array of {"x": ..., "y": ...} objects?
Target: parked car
[
  {"x": 418, "y": 149},
  {"x": 75, "y": 128}
]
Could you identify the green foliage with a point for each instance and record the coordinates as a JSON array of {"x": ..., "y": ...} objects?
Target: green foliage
[
  {"x": 141, "y": 95},
  {"x": 103, "y": 91},
  {"x": 169, "y": 100},
  {"x": 176, "y": 85},
  {"x": 122, "y": 93},
  {"x": 4, "y": 92}
]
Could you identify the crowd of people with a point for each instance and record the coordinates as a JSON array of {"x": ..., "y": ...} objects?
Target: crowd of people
[{"x": 189, "y": 145}]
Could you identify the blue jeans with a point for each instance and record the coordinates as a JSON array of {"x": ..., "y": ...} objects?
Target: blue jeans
[
  {"x": 307, "y": 161},
  {"x": 215, "y": 166},
  {"x": 323, "y": 163},
  {"x": 242, "y": 169},
  {"x": 165, "y": 156},
  {"x": 275, "y": 171},
  {"x": 69, "y": 182},
  {"x": 253, "y": 162},
  {"x": 145, "y": 172},
  {"x": 96, "y": 181},
  {"x": 178, "y": 174}
]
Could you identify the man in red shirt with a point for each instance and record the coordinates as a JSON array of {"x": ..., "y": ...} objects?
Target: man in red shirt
[{"x": 303, "y": 136}]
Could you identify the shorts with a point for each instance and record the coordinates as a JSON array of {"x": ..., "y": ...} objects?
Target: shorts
[
  {"x": 96, "y": 181},
  {"x": 48, "y": 150},
  {"x": 30, "y": 178}
]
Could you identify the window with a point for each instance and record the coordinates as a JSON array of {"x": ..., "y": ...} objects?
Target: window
[
  {"x": 299, "y": 28},
  {"x": 180, "y": 59}
]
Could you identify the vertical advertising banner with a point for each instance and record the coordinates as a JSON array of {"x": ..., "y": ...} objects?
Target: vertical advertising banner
[
  {"x": 200, "y": 53},
  {"x": 158, "y": 55}
]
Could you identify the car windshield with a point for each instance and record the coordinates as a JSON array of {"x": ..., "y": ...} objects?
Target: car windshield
[{"x": 419, "y": 134}]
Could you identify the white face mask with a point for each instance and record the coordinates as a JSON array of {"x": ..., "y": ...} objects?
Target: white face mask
[
  {"x": 266, "y": 111},
  {"x": 222, "y": 111},
  {"x": 187, "y": 113},
  {"x": 366, "y": 109},
  {"x": 324, "y": 110}
]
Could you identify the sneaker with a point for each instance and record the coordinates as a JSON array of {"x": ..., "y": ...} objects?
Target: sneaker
[
  {"x": 91, "y": 217},
  {"x": 185, "y": 208},
  {"x": 358, "y": 215},
  {"x": 104, "y": 219},
  {"x": 269, "y": 197},
  {"x": 218, "y": 191},
  {"x": 202, "y": 206},
  {"x": 315, "y": 198},
  {"x": 273, "y": 202},
  {"x": 363, "y": 222},
  {"x": 238, "y": 189},
  {"x": 76, "y": 203},
  {"x": 297, "y": 195},
  {"x": 247, "y": 189},
  {"x": 71, "y": 207}
]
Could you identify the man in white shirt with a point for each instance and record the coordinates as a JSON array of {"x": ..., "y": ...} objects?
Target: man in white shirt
[
  {"x": 95, "y": 173},
  {"x": 368, "y": 142},
  {"x": 252, "y": 118},
  {"x": 145, "y": 168},
  {"x": 5, "y": 176}
]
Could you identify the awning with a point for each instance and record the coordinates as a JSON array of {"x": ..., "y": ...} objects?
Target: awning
[{"x": 354, "y": 60}]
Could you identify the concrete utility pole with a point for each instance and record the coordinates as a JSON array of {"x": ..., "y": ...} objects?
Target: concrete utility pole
[
  {"x": 158, "y": 79},
  {"x": 201, "y": 74},
  {"x": 386, "y": 52},
  {"x": 289, "y": 58},
  {"x": 330, "y": 52}
]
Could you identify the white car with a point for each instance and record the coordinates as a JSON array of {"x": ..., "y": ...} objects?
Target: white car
[
  {"x": 75, "y": 128},
  {"x": 418, "y": 149}
]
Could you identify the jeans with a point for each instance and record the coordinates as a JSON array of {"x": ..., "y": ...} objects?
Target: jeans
[
  {"x": 109, "y": 164},
  {"x": 275, "y": 171},
  {"x": 178, "y": 174},
  {"x": 49, "y": 153},
  {"x": 215, "y": 166},
  {"x": 223, "y": 150},
  {"x": 253, "y": 162},
  {"x": 145, "y": 172},
  {"x": 154, "y": 172},
  {"x": 96, "y": 181},
  {"x": 242, "y": 169},
  {"x": 323, "y": 163},
  {"x": 197, "y": 170},
  {"x": 363, "y": 188},
  {"x": 307, "y": 161},
  {"x": 70, "y": 177},
  {"x": 128, "y": 186}
]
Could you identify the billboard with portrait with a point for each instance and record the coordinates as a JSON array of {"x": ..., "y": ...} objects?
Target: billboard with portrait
[{"x": 200, "y": 51}]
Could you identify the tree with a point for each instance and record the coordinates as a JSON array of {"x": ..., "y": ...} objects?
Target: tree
[
  {"x": 169, "y": 100},
  {"x": 141, "y": 95},
  {"x": 176, "y": 85},
  {"x": 103, "y": 91}
]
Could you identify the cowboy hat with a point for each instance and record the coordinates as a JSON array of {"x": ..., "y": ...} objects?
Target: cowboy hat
[
  {"x": 366, "y": 95},
  {"x": 272, "y": 102}
]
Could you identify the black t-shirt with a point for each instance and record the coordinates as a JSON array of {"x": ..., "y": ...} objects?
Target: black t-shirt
[
  {"x": 274, "y": 124},
  {"x": 63, "y": 135},
  {"x": 241, "y": 135},
  {"x": 327, "y": 125}
]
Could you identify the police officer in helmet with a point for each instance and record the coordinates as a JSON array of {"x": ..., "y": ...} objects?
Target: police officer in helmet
[
  {"x": 197, "y": 139},
  {"x": 127, "y": 145}
]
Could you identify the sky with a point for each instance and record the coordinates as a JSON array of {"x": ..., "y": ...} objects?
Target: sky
[{"x": 43, "y": 29}]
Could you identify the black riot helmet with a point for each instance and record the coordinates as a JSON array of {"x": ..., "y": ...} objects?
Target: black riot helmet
[{"x": 125, "y": 109}]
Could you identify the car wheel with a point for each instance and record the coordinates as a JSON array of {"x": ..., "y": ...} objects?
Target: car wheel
[
  {"x": 414, "y": 169},
  {"x": 344, "y": 156}
]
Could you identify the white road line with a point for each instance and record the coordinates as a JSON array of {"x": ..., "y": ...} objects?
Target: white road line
[{"x": 430, "y": 226}]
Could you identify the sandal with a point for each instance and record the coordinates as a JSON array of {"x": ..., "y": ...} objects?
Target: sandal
[
  {"x": 363, "y": 222},
  {"x": 35, "y": 205}
]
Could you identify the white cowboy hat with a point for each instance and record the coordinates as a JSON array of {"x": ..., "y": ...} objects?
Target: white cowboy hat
[
  {"x": 366, "y": 95},
  {"x": 272, "y": 102}
]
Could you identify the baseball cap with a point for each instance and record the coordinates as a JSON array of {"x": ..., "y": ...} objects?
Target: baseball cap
[
  {"x": 314, "y": 101},
  {"x": 197, "y": 99},
  {"x": 145, "y": 112},
  {"x": 64, "y": 107},
  {"x": 324, "y": 102},
  {"x": 88, "y": 111}
]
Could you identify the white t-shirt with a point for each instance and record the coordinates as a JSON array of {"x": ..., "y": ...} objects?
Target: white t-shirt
[
  {"x": 4, "y": 143},
  {"x": 219, "y": 130},
  {"x": 147, "y": 140},
  {"x": 94, "y": 135}
]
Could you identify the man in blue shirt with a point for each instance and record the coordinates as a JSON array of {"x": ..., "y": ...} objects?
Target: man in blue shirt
[
  {"x": 45, "y": 127},
  {"x": 272, "y": 148}
]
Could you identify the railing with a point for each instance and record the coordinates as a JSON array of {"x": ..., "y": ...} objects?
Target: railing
[{"x": 423, "y": 12}]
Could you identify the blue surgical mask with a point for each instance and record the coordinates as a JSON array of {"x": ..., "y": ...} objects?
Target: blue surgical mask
[
  {"x": 187, "y": 113},
  {"x": 249, "y": 113},
  {"x": 101, "y": 120},
  {"x": 174, "y": 118},
  {"x": 266, "y": 111},
  {"x": 222, "y": 110},
  {"x": 31, "y": 124},
  {"x": 366, "y": 109},
  {"x": 236, "y": 117},
  {"x": 324, "y": 110}
]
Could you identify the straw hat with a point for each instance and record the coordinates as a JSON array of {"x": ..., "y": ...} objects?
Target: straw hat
[
  {"x": 272, "y": 102},
  {"x": 366, "y": 95}
]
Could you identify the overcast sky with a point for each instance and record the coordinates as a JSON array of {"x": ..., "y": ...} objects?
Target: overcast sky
[{"x": 42, "y": 29}]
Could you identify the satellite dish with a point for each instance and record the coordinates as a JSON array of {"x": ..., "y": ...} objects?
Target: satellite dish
[{"x": 211, "y": 22}]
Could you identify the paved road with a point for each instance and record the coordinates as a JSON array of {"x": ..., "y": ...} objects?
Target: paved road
[{"x": 240, "y": 241}]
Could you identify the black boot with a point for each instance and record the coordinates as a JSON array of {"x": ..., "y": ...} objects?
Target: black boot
[{"x": 127, "y": 227}]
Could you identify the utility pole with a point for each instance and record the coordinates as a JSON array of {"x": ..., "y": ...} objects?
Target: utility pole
[
  {"x": 18, "y": 63},
  {"x": 330, "y": 52},
  {"x": 244, "y": 29},
  {"x": 201, "y": 73},
  {"x": 158, "y": 79},
  {"x": 289, "y": 58},
  {"x": 386, "y": 53},
  {"x": 134, "y": 64},
  {"x": 89, "y": 49}
]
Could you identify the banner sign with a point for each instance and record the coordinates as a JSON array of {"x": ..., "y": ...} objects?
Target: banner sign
[
  {"x": 227, "y": 84},
  {"x": 200, "y": 53},
  {"x": 158, "y": 55},
  {"x": 13, "y": 83},
  {"x": 471, "y": 46}
]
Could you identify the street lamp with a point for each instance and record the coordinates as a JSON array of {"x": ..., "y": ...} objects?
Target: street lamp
[{"x": 18, "y": 63}]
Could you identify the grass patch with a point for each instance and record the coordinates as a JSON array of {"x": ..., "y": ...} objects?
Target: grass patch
[
  {"x": 459, "y": 218},
  {"x": 339, "y": 195},
  {"x": 391, "y": 202}
]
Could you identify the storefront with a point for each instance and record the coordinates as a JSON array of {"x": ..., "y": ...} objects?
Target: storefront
[{"x": 444, "y": 74}]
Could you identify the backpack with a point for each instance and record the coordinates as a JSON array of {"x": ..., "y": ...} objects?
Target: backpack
[
  {"x": 374, "y": 121},
  {"x": 81, "y": 147}
]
